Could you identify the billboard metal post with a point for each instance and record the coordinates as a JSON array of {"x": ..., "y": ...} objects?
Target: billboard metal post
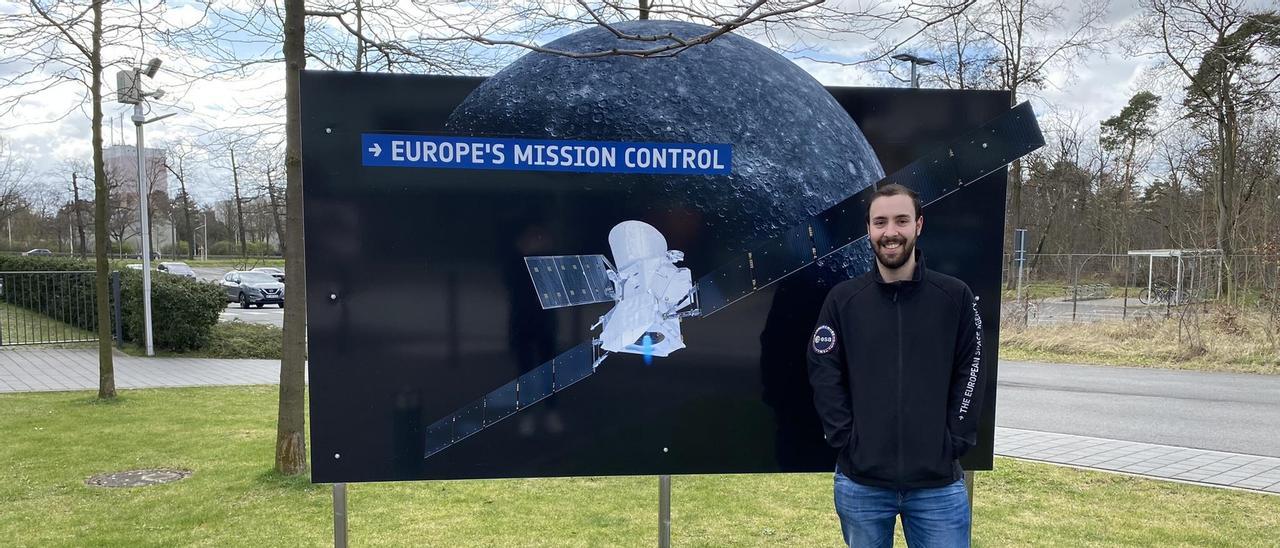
[
  {"x": 968, "y": 486},
  {"x": 664, "y": 511},
  {"x": 340, "y": 515}
]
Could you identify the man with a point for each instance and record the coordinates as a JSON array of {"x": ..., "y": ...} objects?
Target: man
[{"x": 895, "y": 364}]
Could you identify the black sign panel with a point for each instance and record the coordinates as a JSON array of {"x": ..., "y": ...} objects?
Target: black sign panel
[{"x": 437, "y": 352}]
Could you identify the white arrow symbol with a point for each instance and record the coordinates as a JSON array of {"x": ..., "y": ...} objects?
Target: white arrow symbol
[{"x": 376, "y": 149}]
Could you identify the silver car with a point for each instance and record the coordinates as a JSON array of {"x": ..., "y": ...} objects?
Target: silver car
[{"x": 252, "y": 288}]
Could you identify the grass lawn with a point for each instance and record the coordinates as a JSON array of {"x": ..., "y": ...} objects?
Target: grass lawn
[
  {"x": 20, "y": 325},
  {"x": 54, "y": 441},
  {"x": 1058, "y": 290},
  {"x": 1229, "y": 339}
]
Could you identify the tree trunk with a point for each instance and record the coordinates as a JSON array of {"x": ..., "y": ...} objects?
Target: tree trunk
[
  {"x": 275, "y": 211},
  {"x": 1015, "y": 202},
  {"x": 291, "y": 443},
  {"x": 186, "y": 213},
  {"x": 1227, "y": 125},
  {"x": 360, "y": 46},
  {"x": 75, "y": 194},
  {"x": 106, "y": 368},
  {"x": 235, "y": 180}
]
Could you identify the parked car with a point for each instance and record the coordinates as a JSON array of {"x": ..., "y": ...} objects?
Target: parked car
[
  {"x": 252, "y": 288},
  {"x": 276, "y": 273},
  {"x": 134, "y": 266},
  {"x": 38, "y": 251},
  {"x": 177, "y": 269}
]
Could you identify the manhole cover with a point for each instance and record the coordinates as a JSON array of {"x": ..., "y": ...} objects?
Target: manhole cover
[{"x": 138, "y": 478}]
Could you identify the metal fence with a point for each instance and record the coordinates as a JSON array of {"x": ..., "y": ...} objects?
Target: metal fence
[
  {"x": 52, "y": 307},
  {"x": 1096, "y": 287}
]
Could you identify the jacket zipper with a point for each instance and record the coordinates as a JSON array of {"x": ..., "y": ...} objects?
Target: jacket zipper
[{"x": 897, "y": 307}]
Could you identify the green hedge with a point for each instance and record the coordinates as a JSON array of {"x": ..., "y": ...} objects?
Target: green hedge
[
  {"x": 183, "y": 311},
  {"x": 64, "y": 297}
]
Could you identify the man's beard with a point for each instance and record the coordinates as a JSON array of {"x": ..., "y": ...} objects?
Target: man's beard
[{"x": 907, "y": 249}]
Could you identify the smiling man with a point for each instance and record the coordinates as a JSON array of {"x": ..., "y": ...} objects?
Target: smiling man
[{"x": 895, "y": 364}]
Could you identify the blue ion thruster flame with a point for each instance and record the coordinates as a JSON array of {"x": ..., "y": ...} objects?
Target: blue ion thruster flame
[{"x": 646, "y": 343}]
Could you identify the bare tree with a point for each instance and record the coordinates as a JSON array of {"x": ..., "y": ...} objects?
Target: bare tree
[
  {"x": 276, "y": 201},
  {"x": 180, "y": 154},
  {"x": 291, "y": 444},
  {"x": 78, "y": 206},
  {"x": 1228, "y": 58},
  {"x": 50, "y": 44},
  {"x": 239, "y": 201},
  {"x": 14, "y": 182},
  {"x": 155, "y": 176},
  {"x": 1032, "y": 37}
]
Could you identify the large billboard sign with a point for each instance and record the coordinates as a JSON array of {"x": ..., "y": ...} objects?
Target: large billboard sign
[{"x": 613, "y": 266}]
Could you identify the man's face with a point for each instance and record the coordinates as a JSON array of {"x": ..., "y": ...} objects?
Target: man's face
[{"x": 893, "y": 229}]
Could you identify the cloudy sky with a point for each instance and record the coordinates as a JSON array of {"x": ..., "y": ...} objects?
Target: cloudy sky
[{"x": 47, "y": 130}]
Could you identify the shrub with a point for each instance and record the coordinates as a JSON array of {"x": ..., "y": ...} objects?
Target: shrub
[
  {"x": 232, "y": 248},
  {"x": 180, "y": 249},
  {"x": 183, "y": 311},
  {"x": 237, "y": 339},
  {"x": 224, "y": 247}
]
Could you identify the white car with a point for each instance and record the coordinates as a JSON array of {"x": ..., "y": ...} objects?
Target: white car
[{"x": 177, "y": 269}]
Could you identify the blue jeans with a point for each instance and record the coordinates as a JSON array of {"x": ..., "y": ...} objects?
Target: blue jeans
[{"x": 931, "y": 518}]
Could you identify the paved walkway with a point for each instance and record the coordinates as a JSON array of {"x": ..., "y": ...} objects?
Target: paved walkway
[
  {"x": 43, "y": 370},
  {"x": 46, "y": 370},
  {"x": 1168, "y": 462}
]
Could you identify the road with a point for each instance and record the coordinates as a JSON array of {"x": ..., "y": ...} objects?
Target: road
[
  {"x": 1221, "y": 411},
  {"x": 270, "y": 314}
]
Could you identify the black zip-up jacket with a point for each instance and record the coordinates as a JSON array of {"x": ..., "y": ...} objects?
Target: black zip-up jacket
[{"x": 897, "y": 377}]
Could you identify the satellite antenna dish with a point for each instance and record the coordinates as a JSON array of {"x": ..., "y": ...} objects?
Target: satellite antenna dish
[{"x": 653, "y": 294}]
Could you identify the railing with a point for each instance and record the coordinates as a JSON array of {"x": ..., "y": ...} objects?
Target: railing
[{"x": 51, "y": 307}]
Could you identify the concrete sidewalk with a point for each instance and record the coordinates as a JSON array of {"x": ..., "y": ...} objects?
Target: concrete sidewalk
[
  {"x": 44, "y": 370},
  {"x": 1183, "y": 464},
  {"x": 49, "y": 370}
]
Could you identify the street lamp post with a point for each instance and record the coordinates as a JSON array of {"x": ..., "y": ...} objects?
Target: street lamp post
[
  {"x": 129, "y": 91},
  {"x": 206, "y": 235},
  {"x": 205, "y": 227},
  {"x": 915, "y": 61}
]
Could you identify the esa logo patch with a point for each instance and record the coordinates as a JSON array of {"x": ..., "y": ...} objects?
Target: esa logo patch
[{"x": 824, "y": 339}]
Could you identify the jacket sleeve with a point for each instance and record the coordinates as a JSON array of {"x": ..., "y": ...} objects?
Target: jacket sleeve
[
  {"x": 968, "y": 378},
  {"x": 829, "y": 376}
]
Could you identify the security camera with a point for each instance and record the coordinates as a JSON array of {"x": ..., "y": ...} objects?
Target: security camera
[{"x": 153, "y": 66}]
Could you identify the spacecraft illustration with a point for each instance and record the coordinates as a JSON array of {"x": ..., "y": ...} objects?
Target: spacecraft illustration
[
  {"x": 652, "y": 294},
  {"x": 648, "y": 287}
]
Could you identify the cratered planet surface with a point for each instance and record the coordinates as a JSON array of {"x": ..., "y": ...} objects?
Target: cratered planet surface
[{"x": 796, "y": 152}]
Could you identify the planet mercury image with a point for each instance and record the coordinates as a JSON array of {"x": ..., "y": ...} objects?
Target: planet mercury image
[{"x": 796, "y": 152}]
